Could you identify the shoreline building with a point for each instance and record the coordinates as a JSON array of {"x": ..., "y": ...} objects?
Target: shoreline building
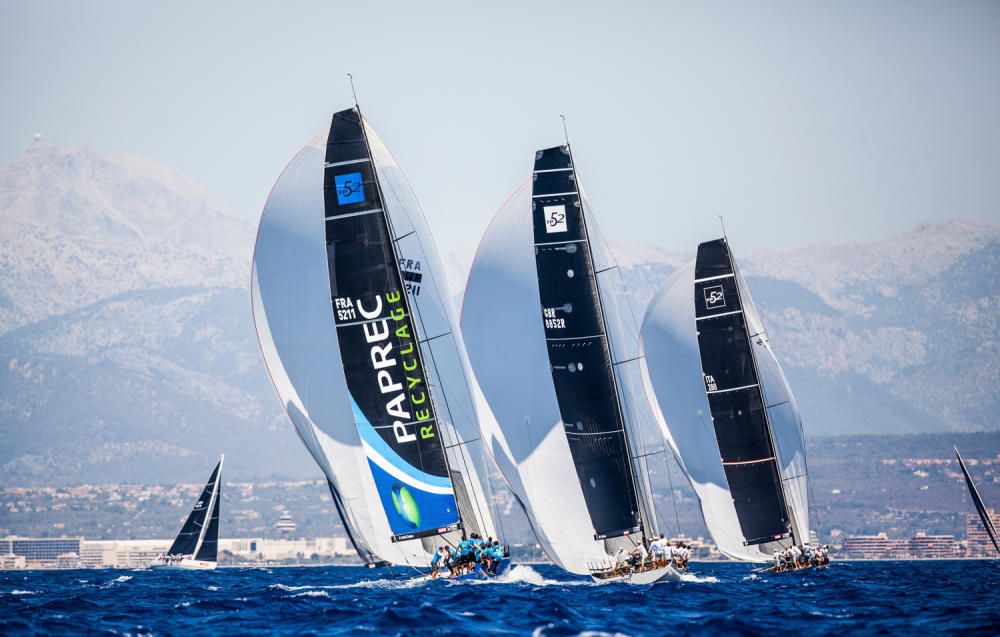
[
  {"x": 77, "y": 552},
  {"x": 978, "y": 542}
]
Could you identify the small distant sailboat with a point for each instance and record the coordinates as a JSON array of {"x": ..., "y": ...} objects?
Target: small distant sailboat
[
  {"x": 977, "y": 500},
  {"x": 729, "y": 410},
  {"x": 196, "y": 546},
  {"x": 357, "y": 329},
  {"x": 554, "y": 344}
]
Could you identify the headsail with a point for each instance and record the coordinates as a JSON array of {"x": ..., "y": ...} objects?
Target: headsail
[
  {"x": 345, "y": 337},
  {"x": 199, "y": 536},
  {"x": 731, "y": 416},
  {"x": 382, "y": 362},
  {"x": 528, "y": 439},
  {"x": 977, "y": 500},
  {"x": 578, "y": 348}
]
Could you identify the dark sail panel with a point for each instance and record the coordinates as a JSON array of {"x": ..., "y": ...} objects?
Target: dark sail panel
[
  {"x": 379, "y": 345},
  {"x": 735, "y": 398},
  {"x": 579, "y": 354},
  {"x": 209, "y": 549},
  {"x": 984, "y": 515},
  {"x": 186, "y": 541}
]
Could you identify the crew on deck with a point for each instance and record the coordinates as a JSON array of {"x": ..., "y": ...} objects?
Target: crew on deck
[
  {"x": 470, "y": 552},
  {"x": 795, "y": 557}
]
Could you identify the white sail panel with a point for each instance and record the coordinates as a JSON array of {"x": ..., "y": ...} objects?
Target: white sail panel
[
  {"x": 295, "y": 326},
  {"x": 506, "y": 344},
  {"x": 448, "y": 369}
]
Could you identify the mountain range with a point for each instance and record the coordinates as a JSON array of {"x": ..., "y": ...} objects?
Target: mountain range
[{"x": 127, "y": 350}]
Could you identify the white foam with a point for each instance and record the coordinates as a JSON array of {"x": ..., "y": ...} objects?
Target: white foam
[
  {"x": 312, "y": 594},
  {"x": 699, "y": 579},
  {"x": 18, "y": 592}
]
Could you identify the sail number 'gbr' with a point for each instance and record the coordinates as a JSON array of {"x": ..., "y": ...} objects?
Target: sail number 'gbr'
[{"x": 551, "y": 322}]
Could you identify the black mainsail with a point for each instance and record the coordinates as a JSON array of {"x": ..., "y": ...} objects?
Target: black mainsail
[
  {"x": 977, "y": 500},
  {"x": 737, "y": 403},
  {"x": 378, "y": 341},
  {"x": 577, "y": 343},
  {"x": 199, "y": 537}
]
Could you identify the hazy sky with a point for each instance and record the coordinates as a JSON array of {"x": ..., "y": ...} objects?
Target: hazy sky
[{"x": 800, "y": 122}]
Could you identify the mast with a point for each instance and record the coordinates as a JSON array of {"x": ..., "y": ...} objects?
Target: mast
[
  {"x": 732, "y": 383},
  {"x": 399, "y": 272},
  {"x": 580, "y": 361},
  {"x": 213, "y": 505},
  {"x": 760, "y": 385},
  {"x": 977, "y": 500},
  {"x": 379, "y": 343},
  {"x": 649, "y": 517}
]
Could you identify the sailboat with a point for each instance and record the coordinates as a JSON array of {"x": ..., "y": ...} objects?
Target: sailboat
[
  {"x": 197, "y": 544},
  {"x": 554, "y": 346},
  {"x": 731, "y": 416},
  {"x": 359, "y": 337},
  {"x": 977, "y": 500}
]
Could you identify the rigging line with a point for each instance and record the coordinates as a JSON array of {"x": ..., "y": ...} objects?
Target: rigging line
[
  {"x": 673, "y": 495},
  {"x": 409, "y": 304},
  {"x": 353, "y": 92},
  {"x": 467, "y": 475},
  {"x": 398, "y": 239},
  {"x": 565, "y": 131},
  {"x": 628, "y": 360},
  {"x": 610, "y": 267}
]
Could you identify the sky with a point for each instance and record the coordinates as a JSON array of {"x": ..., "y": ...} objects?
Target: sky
[{"x": 801, "y": 122}]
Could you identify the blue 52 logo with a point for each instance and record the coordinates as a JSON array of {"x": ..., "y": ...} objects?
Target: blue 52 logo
[{"x": 350, "y": 188}]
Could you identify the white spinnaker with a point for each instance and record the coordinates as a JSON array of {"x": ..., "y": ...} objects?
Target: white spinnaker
[
  {"x": 673, "y": 368},
  {"x": 506, "y": 342},
  {"x": 446, "y": 364},
  {"x": 295, "y": 326}
]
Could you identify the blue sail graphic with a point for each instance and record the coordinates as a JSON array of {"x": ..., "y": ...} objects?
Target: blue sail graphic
[{"x": 414, "y": 501}]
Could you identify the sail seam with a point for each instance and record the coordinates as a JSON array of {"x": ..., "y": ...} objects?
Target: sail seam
[
  {"x": 552, "y": 170},
  {"x": 554, "y": 194},
  {"x": 347, "y": 162},
  {"x": 555, "y": 243},
  {"x": 711, "y": 316},
  {"x": 353, "y": 214},
  {"x": 727, "y": 464},
  {"x": 723, "y": 391},
  {"x": 714, "y": 278}
]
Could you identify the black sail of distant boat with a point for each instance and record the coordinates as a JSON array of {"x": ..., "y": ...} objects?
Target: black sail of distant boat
[
  {"x": 199, "y": 537},
  {"x": 209, "y": 549},
  {"x": 378, "y": 339},
  {"x": 737, "y": 403},
  {"x": 577, "y": 343},
  {"x": 978, "y": 501}
]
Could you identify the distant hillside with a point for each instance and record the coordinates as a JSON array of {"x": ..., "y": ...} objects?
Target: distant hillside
[
  {"x": 894, "y": 336},
  {"x": 127, "y": 351},
  {"x": 126, "y": 345}
]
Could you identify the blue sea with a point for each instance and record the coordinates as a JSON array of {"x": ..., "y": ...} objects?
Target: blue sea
[{"x": 716, "y": 599}]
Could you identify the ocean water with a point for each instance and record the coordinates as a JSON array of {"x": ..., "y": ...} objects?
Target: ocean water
[{"x": 716, "y": 599}]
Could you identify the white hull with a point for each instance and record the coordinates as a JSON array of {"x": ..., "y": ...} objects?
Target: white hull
[
  {"x": 651, "y": 576},
  {"x": 185, "y": 564}
]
